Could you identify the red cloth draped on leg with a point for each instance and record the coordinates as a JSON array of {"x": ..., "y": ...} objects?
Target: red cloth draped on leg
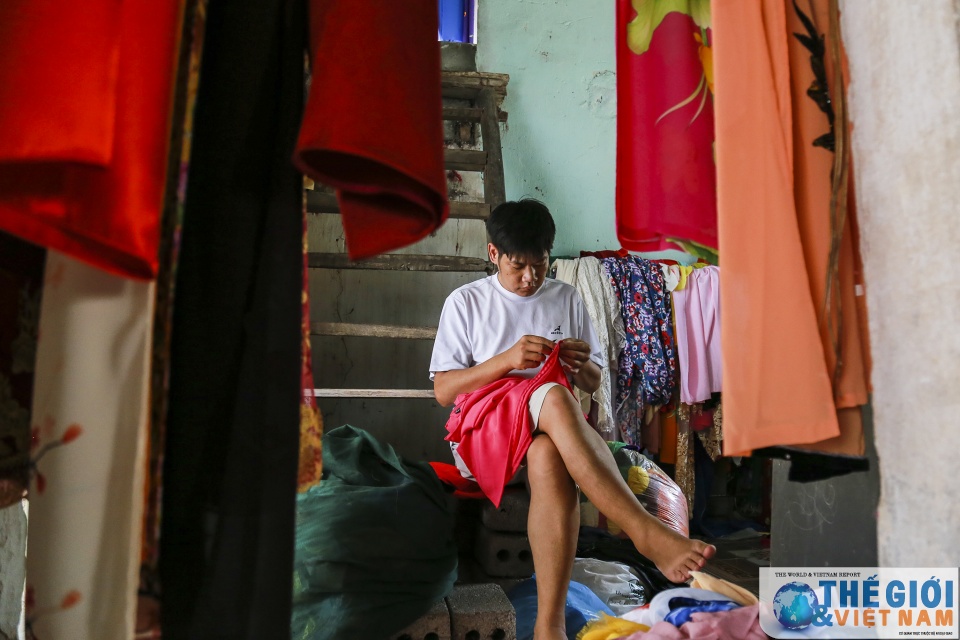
[
  {"x": 372, "y": 127},
  {"x": 492, "y": 425}
]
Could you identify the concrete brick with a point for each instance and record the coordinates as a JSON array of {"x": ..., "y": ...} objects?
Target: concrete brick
[
  {"x": 481, "y": 612},
  {"x": 511, "y": 515},
  {"x": 503, "y": 555},
  {"x": 433, "y": 625}
]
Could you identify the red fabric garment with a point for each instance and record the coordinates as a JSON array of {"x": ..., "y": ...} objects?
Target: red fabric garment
[
  {"x": 450, "y": 475},
  {"x": 58, "y": 80},
  {"x": 372, "y": 127},
  {"x": 666, "y": 184},
  {"x": 91, "y": 185},
  {"x": 492, "y": 425}
]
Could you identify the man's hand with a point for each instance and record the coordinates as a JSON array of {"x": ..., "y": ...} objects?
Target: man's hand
[
  {"x": 575, "y": 358},
  {"x": 574, "y": 354},
  {"x": 529, "y": 352}
]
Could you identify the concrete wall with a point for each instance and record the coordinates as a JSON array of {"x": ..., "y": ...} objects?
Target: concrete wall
[
  {"x": 560, "y": 142},
  {"x": 905, "y": 107}
]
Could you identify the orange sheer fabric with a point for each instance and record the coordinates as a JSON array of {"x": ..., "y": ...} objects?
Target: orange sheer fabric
[{"x": 781, "y": 379}]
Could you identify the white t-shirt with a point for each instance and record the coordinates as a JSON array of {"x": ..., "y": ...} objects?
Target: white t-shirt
[{"x": 482, "y": 319}]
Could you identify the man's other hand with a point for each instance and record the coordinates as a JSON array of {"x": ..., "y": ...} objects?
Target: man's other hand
[{"x": 574, "y": 354}]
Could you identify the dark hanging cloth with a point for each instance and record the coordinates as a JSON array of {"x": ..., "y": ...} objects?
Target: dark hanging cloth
[
  {"x": 812, "y": 466},
  {"x": 21, "y": 283},
  {"x": 230, "y": 473}
]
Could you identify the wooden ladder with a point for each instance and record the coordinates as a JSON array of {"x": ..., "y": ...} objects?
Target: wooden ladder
[{"x": 485, "y": 91}]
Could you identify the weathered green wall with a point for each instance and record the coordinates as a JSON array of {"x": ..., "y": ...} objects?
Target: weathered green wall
[{"x": 560, "y": 144}]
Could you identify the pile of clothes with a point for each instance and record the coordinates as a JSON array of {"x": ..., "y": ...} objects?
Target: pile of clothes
[{"x": 629, "y": 599}]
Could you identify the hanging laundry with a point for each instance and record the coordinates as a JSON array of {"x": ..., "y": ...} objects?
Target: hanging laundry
[
  {"x": 230, "y": 474},
  {"x": 21, "y": 278},
  {"x": 647, "y": 371},
  {"x": 85, "y": 101},
  {"x": 666, "y": 185},
  {"x": 710, "y": 433},
  {"x": 311, "y": 420},
  {"x": 372, "y": 126},
  {"x": 794, "y": 344},
  {"x": 603, "y": 307},
  {"x": 697, "y": 313},
  {"x": 90, "y": 426}
]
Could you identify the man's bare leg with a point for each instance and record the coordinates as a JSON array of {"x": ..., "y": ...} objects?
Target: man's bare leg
[
  {"x": 552, "y": 527},
  {"x": 589, "y": 461}
]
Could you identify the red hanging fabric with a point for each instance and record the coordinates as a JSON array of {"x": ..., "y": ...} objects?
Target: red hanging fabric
[
  {"x": 58, "y": 80},
  {"x": 666, "y": 183},
  {"x": 372, "y": 127},
  {"x": 86, "y": 99}
]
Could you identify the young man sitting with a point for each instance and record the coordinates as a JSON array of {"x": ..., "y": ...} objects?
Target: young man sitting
[{"x": 507, "y": 325}]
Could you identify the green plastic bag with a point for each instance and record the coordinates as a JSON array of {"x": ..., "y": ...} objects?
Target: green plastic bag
[{"x": 374, "y": 542}]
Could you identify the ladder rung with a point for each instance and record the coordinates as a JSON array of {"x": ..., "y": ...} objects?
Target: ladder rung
[
  {"x": 400, "y": 262},
  {"x": 469, "y": 210},
  {"x": 469, "y": 114},
  {"x": 324, "y": 202},
  {"x": 465, "y": 159},
  {"x": 371, "y": 330},
  {"x": 373, "y": 393},
  {"x": 466, "y": 84}
]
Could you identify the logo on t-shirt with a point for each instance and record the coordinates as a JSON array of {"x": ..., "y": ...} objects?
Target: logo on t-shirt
[{"x": 556, "y": 331}]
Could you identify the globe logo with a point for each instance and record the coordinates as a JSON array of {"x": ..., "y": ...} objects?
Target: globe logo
[{"x": 794, "y": 605}]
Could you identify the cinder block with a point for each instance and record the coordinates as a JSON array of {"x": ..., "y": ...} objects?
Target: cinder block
[
  {"x": 503, "y": 555},
  {"x": 481, "y": 612},
  {"x": 511, "y": 515},
  {"x": 433, "y": 625}
]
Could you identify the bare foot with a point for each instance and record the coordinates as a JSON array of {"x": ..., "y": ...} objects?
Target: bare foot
[
  {"x": 550, "y": 633},
  {"x": 675, "y": 555}
]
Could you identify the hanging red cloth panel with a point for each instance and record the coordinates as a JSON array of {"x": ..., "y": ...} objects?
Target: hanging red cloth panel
[
  {"x": 372, "y": 127},
  {"x": 85, "y": 99},
  {"x": 666, "y": 182}
]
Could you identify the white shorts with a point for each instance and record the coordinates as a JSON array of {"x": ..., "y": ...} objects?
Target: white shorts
[{"x": 535, "y": 405}]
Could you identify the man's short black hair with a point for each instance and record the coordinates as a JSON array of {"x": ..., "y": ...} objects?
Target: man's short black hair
[{"x": 522, "y": 228}]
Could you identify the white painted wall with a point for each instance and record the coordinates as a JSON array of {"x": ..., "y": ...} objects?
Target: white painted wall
[
  {"x": 905, "y": 107},
  {"x": 560, "y": 144}
]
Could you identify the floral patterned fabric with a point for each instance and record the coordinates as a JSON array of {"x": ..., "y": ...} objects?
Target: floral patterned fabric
[
  {"x": 647, "y": 372},
  {"x": 310, "y": 466},
  {"x": 89, "y": 432}
]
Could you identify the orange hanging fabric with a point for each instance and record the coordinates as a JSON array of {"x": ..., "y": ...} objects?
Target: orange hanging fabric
[
  {"x": 85, "y": 103},
  {"x": 790, "y": 279}
]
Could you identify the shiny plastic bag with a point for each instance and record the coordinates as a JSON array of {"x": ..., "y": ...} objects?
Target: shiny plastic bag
[{"x": 655, "y": 490}]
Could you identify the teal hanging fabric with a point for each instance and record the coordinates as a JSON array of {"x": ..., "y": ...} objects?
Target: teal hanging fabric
[{"x": 374, "y": 542}]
